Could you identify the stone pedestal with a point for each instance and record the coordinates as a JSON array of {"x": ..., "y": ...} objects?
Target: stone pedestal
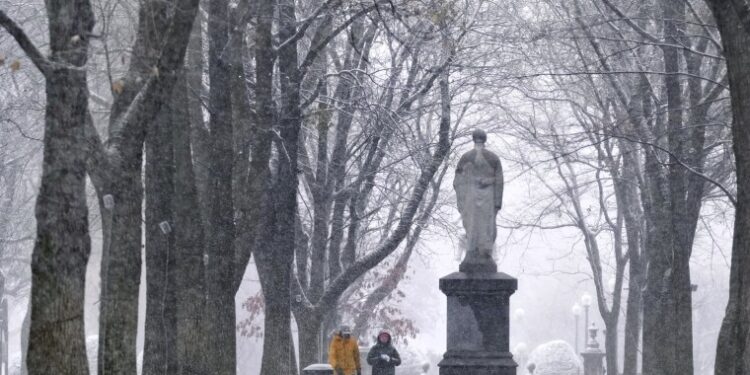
[
  {"x": 593, "y": 363},
  {"x": 318, "y": 369},
  {"x": 478, "y": 324},
  {"x": 593, "y": 357}
]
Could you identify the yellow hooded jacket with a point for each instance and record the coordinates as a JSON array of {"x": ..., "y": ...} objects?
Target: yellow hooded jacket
[{"x": 344, "y": 354}]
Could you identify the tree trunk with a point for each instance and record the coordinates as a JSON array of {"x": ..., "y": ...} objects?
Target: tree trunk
[
  {"x": 271, "y": 272},
  {"x": 199, "y": 135},
  {"x": 674, "y": 15},
  {"x": 220, "y": 270},
  {"x": 658, "y": 322},
  {"x": 667, "y": 342},
  {"x": 121, "y": 255},
  {"x": 680, "y": 269},
  {"x": 159, "y": 355},
  {"x": 633, "y": 229},
  {"x": 274, "y": 272},
  {"x": 733, "y": 349},
  {"x": 158, "y": 352},
  {"x": 321, "y": 191},
  {"x": 633, "y": 318},
  {"x": 189, "y": 267},
  {"x": 121, "y": 268},
  {"x": 275, "y": 256},
  {"x": 610, "y": 344},
  {"x": 243, "y": 120},
  {"x": 58, "y": 267},
  {"x": 309, "y": 327}
]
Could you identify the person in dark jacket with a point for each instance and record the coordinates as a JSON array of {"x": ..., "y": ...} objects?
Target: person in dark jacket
[{"x": 383, "y": 357}]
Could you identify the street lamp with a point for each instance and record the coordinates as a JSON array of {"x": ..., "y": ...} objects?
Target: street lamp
[
  {"x": 577, "y": 315},
  {"x": 586, "y": 302}
]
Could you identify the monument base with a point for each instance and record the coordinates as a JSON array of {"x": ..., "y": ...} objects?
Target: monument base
[
  {"x": 475, "y": 363},
  {"x": 478, "y": 324},
  {"x": 472, "y": 266}
]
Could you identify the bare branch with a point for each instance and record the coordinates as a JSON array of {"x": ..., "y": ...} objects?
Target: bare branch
[
  {"x": 315, "y": 50},
  {"x": 328, "y": 5},
  {"x": 645, "y": 34},
  {"x": 26, "y": 44}
]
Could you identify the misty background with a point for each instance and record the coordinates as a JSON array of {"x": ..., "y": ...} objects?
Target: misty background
[{"x": 552, "y": 84}]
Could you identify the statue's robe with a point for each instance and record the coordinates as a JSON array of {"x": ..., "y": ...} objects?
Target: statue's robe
[{"x": 479, "y": 191}]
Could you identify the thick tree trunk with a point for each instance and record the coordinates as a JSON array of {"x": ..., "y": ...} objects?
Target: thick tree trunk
[
  {"x": 633, "y": 228},
  {"x": 58, "y": 267},
  {"x": 199, "y": 135},
  {"x": 243, "y": 121},
  {"x": 610, "y": 344},
  {"x": 121, "y": 258},
  {"x": 159, "y": 352},
  {"x": 121, "y": 255},
  {"x": 274, "y": 272},
  {"x": 633, "y": 318},
  {"x": 220, "y": 270},
  {"x": 309, "y": 338},
  {"x": 190, "y": 282},
  {"x": 667, "y": 342},
  {"x": 276, "y": 248},
  {"x": 175, "y": 336},
  {"x": 658, "y": 321},
  {"x": 680, "y": 268},
  {"x": 322, "y": 193},
  {"x": 273, "y": 269},
  {"x": 674, "y": 14},
  {"x": 121, "y": 271},
  {"x": 733, "y": 350}
]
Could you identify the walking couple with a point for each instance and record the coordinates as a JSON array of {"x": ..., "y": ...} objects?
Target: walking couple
[{"x": 343, "y": 354}]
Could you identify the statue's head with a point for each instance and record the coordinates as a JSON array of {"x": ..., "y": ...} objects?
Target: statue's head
[{"x": 479, "y": 136}]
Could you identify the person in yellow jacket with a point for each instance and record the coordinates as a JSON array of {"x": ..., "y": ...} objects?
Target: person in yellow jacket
[{"x": 343, "y": 353}]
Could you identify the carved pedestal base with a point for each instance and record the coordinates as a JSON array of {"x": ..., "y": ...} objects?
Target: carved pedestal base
[{"x": 478, "y": 324}]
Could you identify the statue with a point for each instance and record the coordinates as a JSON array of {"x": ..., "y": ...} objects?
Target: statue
[
  {"x": 479, "y": 192},
  {"x": 478, "y": 296}
]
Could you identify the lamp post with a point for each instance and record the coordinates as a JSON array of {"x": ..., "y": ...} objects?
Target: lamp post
[
  {"x": 577, "y": 314},
  {"x": 586, "y": 302}
]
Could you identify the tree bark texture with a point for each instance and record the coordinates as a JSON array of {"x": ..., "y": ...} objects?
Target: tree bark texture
[
  {"x": 159, "y": 356},
  {"x": 277, "y": 257},
  {"x": 220, "y": 250},
  {"x": 57, "y": 342},
  {"x": 190, "y": 281},
  {"x": 144, "y": 94},
  {"x": 733, "y": 349},
  {"x": 121, "y": 256}
]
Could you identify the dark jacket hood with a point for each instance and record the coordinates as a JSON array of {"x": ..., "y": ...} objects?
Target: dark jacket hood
[{"x": 377, "y": 338}]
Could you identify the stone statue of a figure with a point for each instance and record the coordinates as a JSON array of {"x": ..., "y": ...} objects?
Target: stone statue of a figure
[{"x": 479, "y": 191}]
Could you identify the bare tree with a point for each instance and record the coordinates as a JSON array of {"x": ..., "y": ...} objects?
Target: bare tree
[
  {"x": 733, "y": 349},
  {"x": 57, "y": 342}
]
